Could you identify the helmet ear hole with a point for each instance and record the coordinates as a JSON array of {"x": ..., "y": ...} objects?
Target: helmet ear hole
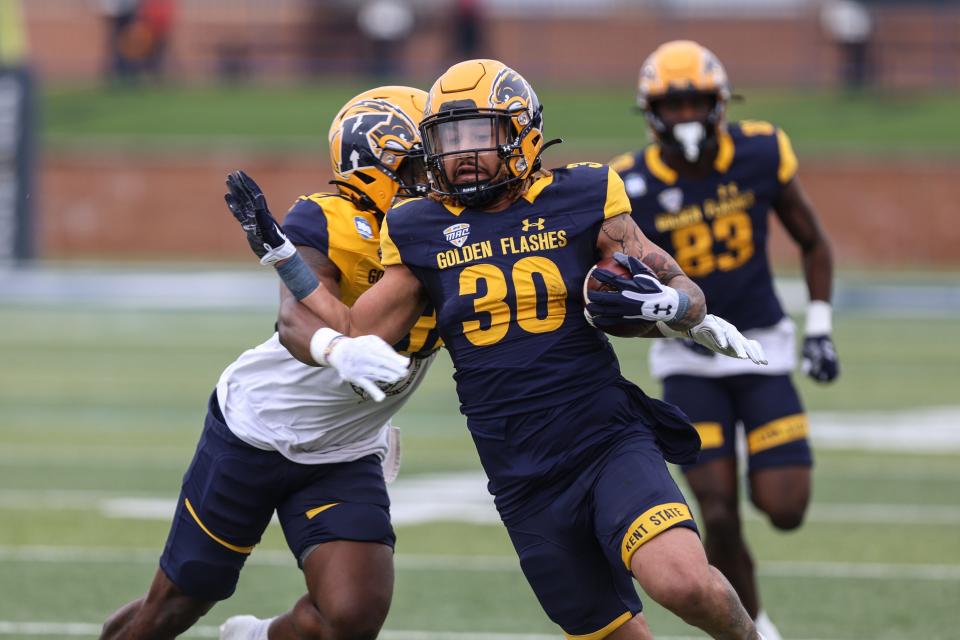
[{"x": 364, "y": 177}]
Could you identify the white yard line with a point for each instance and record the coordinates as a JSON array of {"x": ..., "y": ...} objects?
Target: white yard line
[
  {"x": 903, "y": 514},
  {"x": 862, "y": 571},
  {"x": 206, "y": 286},
  {"x": 920, "y": 430},
  {"x": 84, "y": 629},
  {"x": 484, "y": 564},
  {"x": 453, "y": 497}
]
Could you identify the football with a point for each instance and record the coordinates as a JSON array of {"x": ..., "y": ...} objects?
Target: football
[{"x": 625, "y": 330}]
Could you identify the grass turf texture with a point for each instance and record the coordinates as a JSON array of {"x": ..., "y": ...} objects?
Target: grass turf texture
[
  {"x": 110, "y": 404},
  {"x": 596, "y": 123}
]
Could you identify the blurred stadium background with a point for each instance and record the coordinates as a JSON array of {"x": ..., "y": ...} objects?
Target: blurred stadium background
[{"x": 125, "y": 288}]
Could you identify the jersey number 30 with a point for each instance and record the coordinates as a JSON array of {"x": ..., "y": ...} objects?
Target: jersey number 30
[{"x": 539, "y": 306}]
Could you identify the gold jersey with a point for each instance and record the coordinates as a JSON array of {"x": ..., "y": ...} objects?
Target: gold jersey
[{"x": 350, "y": 238}]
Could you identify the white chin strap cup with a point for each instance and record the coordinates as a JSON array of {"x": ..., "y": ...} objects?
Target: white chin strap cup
[{"x": 690, "y": 135}]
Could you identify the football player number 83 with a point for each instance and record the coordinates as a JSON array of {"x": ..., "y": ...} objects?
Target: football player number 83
[
  {"x": 694, "y": 244},
  {"x": 535, "y": 280}
]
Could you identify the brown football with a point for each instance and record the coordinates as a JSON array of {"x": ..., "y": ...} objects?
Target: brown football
[{"x": 625, "y": 330}]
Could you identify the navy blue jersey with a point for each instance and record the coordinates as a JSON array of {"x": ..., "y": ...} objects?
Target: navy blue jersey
[
  {"x": 507, "y": 287},
  {"x": 717, "y": 227},
  {"x": 533, "y": 377}
]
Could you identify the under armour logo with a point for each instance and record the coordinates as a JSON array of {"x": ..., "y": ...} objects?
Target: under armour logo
[
  {"x": 664, "y": 309},
  {"x": 527, "y": 225}
]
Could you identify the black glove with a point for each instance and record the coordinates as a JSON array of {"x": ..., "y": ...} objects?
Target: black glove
[
  {"x": 248, "y": 205},
  {"x": 820, "y": 358},
  {"x": 639, "y": 298}
]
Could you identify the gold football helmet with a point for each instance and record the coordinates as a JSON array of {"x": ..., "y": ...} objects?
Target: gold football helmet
[
  {"x": 375, "y": 146},
  {"x": 476, "y": 108},
  {"x": 679, "y": 69}
]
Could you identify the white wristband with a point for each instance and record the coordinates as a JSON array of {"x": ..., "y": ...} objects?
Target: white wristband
[
  {"x": 321, "y": 343},
  {"x": 819, "y": 318}
]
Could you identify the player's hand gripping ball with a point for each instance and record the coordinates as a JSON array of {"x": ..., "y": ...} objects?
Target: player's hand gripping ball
[{"x": 611, "y": 326}]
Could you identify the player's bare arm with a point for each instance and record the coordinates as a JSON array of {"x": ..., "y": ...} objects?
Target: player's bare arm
[
  {"x": 820, "y": 360},
  {"x": 657, "y": 291},
  {"x": 296, "y": 324},
  {"x": 388, "y": 309},
  {"x": 621, "y": 234},
  {"x": 365, "y": 360},
  {"x": 799, "y": 219}
]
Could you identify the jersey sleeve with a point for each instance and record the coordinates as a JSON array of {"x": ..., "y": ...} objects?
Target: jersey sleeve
[
  {"x": 306, "y": 224},
  {"x": 623, "y": 162},
  {"x": 390, "y": 255},
  {"x": 787, "y": 167},
  {"x": 617, "y": 201}
]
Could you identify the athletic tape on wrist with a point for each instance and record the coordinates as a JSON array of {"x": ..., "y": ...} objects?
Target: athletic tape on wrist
[
  {"x": 819, "y": 318},
  {"x": 298, "y": 277},
  {"x": 321, "y": 343},
  {"x": 683, "y": 305}
]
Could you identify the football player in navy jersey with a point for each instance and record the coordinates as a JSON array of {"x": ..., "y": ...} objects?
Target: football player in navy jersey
[
  {"x": 703, "y": 190},
  {"x": 574, "y": 453},
  {"x": 311, "y": 443}
]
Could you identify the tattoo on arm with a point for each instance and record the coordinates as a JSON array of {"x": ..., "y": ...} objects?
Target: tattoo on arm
[
  {"x": 663, "y": 266},
  {"x": 615, "y": 229},
  {"x": 621, "y": 233}
]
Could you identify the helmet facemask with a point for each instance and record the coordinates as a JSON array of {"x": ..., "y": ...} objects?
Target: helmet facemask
[
  {"x": 488, "y": 100},
  {"x": 472, "y": 154},
  {"x": 691, "y": 139},
  {"x": 682, "y": 70}
]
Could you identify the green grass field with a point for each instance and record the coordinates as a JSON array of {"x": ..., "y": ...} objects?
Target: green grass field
[
  {"x": 595, "y": 122},
  {"x": 97, "y": 405}
]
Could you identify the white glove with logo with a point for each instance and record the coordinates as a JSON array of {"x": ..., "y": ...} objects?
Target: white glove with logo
[
  {"x": 720, "y": 336},
  {"x": 363, "y": 361}
]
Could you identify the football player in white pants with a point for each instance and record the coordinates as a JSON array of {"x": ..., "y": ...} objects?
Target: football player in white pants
[{"x": 300, "y": 425}]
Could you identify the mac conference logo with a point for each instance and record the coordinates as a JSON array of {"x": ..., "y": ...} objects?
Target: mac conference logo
[
  {"x": 457, "y": 234},
  {"x": 363, "y": 228},
  {"x": 671, "y": 199}
]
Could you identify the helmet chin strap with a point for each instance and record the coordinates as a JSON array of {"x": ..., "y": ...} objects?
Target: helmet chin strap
[
  {"x": 690, "y": 135},
  {"x": 483, "y": 195},
  {"x": 364, "y": 201}
]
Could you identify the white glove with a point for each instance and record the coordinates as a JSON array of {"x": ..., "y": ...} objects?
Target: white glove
[
  {"x": 363, "y": 361},
  {"x": 720, "y": 336}
]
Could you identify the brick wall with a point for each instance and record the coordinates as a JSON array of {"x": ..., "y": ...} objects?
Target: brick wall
[{"x": 914, "y": 46}]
